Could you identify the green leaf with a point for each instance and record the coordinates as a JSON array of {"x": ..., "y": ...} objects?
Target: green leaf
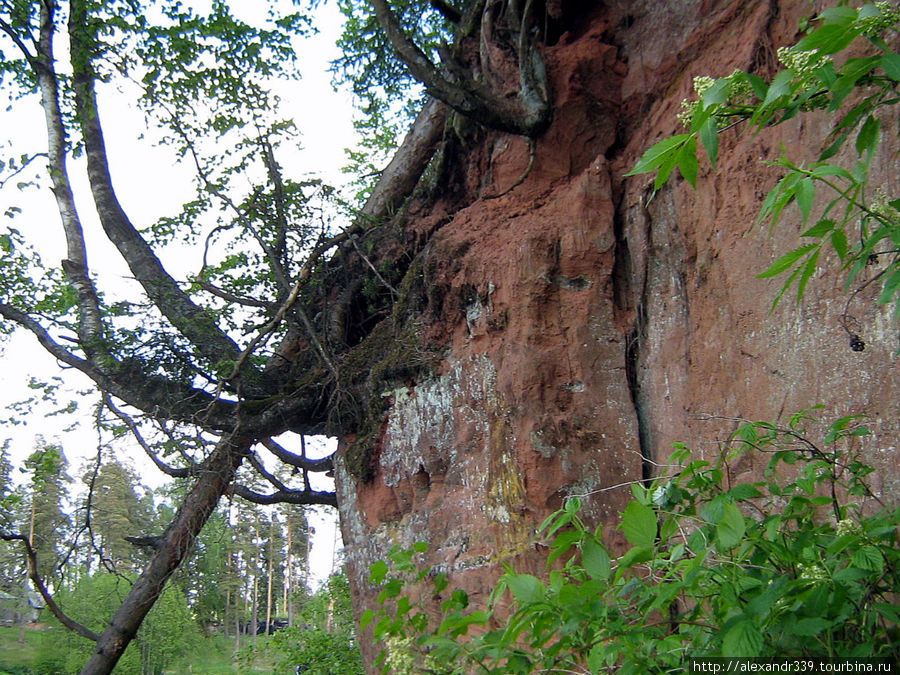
[
  {"x": 758, "y": 84},
  {"x": 823, "y": 170},
  {"x": 717, "y": 93},
  {"x": 810, "y": 627},
  {"x": 730, "y": 530},
  {"x": 809, "y": 268},
  {"x": 786, "y": 261},
  {"x": 890, "y": 64},
  {"x": 713, "y": 510},
  {"x": 849, "y": 574},
  {"x": 366, "y": 618},
  {"x": 852, "y": 71},
  {"x": 635, "y": 556},
  {"x": 829, "y": 39},
  {"x": 891, "y": 287},
  {"x": 743, "y": 491},
  {"x": 868, "y": 558},
  {"x": 687, "y": 161},
  {"x": 868, "y": 137},
  {"x": 839, "y": 242},
  {"x": 743, "y": 639},
  {"x": 597, "y": 658},
  {"x": 842, "y": 16},
  {"x": 805, "y": 194},
  {"x": 665, "y": 170},
  {"x": 781, "y": 86},
  {"x": 820, "y": 229},
  {"x": 458, "y": 624},
  {"x": 595, "y": 559},
  {"x": 563, "y": 543},
  {"x": 378, "y": 571},
  {"x": 526, "y": 588},
  {"x": 639, "y": 524},
  {"x": 709, "y": 136},
  {"x": 657, "y": 154},
  {"x": 889, "y": 612}
]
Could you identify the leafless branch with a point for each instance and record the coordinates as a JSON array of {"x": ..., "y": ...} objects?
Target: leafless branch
[
  {"x": 165, "y": 398},
  {"x": 64, "y": 619},
  {"x": 286, "y": 497},
  {"x": 174, "y": 472},
  {"x": 300, "y": 461},
  {"x": 230, "y": 297}
]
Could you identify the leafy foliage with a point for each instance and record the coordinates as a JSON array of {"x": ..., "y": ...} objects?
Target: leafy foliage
[
  {"x": 859, "y": 224},
  {"x": 386, "y": 93},
  {"x": 798, "y": 564},
  {"x": 323, "y": 639},
  {"x": 167, "y": 634}
]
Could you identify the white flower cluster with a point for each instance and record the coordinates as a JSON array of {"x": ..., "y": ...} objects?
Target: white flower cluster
[
  {"x": 702, "y": 83},
  {"x": 880, "y": 206},
  {"x": 402, "y": 658},
  {"x": 740, "y": 93},
  {"x": 803, "y": 62},
  {"x": 874, "y": 25},
  {"x": 847, "y": 526},
  {"x": 811, "y": 572}
]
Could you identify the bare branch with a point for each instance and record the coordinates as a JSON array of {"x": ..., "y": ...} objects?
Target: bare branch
[
  {"x": 402, "y": 173},
  {"x": 287, "y": 497},
  {"x": 288, "y": 305},
  {"x": 230, "y": 297},
  {"x": 152, "y": 393},
  {"x": 6, "y": 28},
  {"x": 322, "y": 465},
  {"x": 257, "y": 465},
  {"x": 21, "y": 168},
  {"x": 394, "y": 293},
  {"x": 64, "y": 619},
  {"x": 213, "y": 480},
  {"x": 174, "y": 472},
  {"x": 280, "y": 274},
  {"x": 276, "y": 253}
]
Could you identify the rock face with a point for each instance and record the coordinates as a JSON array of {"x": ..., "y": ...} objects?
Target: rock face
[{"x": 587, "y": 323}]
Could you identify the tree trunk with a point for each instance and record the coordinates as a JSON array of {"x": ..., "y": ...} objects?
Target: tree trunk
[
  {"x": 271, "y": 571},
  {"x": 289, "y": 575},
  {"x": 196, "y": 509}
]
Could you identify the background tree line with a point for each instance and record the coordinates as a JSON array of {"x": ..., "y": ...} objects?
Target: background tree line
[{"x": 92, "y": 534}]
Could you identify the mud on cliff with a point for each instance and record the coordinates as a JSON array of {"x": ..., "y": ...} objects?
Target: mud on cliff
[{"x": 561, "y": 326}]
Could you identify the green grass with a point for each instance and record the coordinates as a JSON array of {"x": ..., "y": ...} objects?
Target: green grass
[
  {"x": 210, "y": 657},
  {"x": 14, "y": 657},
  {"x": 213, "y": 657}
]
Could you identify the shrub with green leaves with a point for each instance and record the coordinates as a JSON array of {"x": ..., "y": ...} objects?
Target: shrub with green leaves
[
  {"x": 168, "y": 633},
  {"x": 844, "y": 66},
  {"x": 801, "y": 563},
  {"x": 323, "y": 639}
]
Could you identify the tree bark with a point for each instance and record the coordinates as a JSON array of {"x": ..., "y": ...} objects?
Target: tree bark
[
  {"x": 189, "y": 319},
  {"x": 215, "y": 477},
  {"x": 528, "y": 114}
]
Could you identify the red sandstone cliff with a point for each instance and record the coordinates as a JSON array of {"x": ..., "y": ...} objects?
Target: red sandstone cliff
[{"x": 585, "y": 326}]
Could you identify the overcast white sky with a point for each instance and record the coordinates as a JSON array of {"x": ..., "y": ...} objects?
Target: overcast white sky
[{"x": 150, "y": 185}]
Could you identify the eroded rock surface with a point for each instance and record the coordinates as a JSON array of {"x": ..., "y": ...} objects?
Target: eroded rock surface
[{"x": 586, "y": 324}]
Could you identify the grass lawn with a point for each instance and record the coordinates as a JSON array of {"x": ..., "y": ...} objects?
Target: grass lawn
[
  {"x": 210, "y": 657},
  {"x": 15, "y": 657}
]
